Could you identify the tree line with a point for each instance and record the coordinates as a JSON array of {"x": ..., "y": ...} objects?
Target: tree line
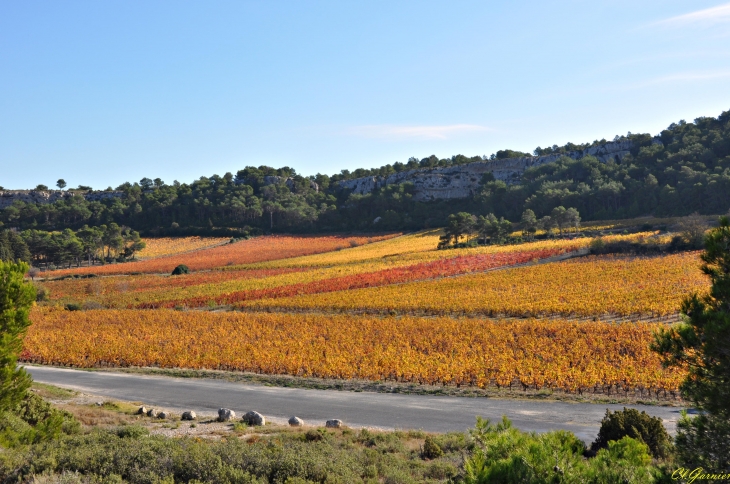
[
  {"x": 106, "y": 243},
  {"x": 488, "y": 229},
  {"x": 689, "y": 171}
]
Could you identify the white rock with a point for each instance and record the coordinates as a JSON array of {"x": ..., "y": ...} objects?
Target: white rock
[
  {"x": 254, "y": 418},
  {"x": 142, "y": 411},
  {"x": 189, "y": 415},
  {"x": 226, "y": 414},
  {"x": 152, "y": 413},
  {"x": 296, "y": 422},
  {"x": 334, "y": 423}
]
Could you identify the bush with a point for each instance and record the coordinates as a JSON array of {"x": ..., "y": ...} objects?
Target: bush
[
  {"x": 73, "y": 307},
  {"x": 181, "y": 269},
  {"x": 597, "y": 245},
  {"x": 35, "y": 420},
  {"x": 42, "y": 293},
  {"x": 639, "y": 426},
  {"x": 431, "y": 449},
  {"x": 132, "y": 431},
  {"x": 313, "y": 436}
]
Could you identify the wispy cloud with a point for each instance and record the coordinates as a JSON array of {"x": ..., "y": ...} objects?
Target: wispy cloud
[
  {"x": 708, "y": 16},
  {"x": 682, "y": 77},
  {"x": 423, "y": 132}
]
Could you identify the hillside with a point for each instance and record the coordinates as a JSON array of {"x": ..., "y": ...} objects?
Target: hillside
[{"x": 685, "y": 168}]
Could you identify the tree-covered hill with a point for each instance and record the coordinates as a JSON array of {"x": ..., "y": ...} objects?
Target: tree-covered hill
[{"x": 689, "y": 171}]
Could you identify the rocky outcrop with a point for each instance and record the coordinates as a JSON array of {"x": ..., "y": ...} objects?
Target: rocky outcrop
[
  {"x": 463, "y": 181},
  {"x": 7, "y": 197}
]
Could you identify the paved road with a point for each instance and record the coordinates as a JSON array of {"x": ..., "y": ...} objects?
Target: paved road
[{"x": 356, "y": 409}]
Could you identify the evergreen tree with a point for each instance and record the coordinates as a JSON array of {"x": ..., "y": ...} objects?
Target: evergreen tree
[
  {"x": 701, "y": 344},
  {"x": 16, "y": 298}
]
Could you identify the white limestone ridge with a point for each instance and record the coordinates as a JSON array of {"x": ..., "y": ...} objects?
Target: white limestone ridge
[{"x": 463, "y": 180}]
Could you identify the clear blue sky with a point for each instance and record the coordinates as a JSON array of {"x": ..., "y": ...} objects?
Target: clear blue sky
[{"x": 104, "y": 92}]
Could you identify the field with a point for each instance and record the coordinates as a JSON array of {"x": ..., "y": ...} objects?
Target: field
[
  {"x": 162, "y": 246},
  {"x": 591, "y": 286},
  {"x": 244, "y": 252},
  {"x": 423, "y": 350},
  {"x": 387, "y": 308}
]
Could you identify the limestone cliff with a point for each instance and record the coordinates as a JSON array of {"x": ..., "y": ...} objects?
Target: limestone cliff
[{"x": 463, "y": 181}]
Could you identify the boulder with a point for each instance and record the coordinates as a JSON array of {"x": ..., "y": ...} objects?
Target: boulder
[
  {"x": 142, "y": 411},
  {"x": 334, "y": 423},
  {"x": 226, "y": 414},
  {"x": 152, "y": 413},
  {"x": 163, "y": 415},
  {"x": 296, "y": 422},
  {"x": 189, "y": 415},
  {"x": 254, "y": 418}
]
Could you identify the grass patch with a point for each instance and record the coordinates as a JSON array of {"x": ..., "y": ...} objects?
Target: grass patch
[{"x": 51, "y": 392}]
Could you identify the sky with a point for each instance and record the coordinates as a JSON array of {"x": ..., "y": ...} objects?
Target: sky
[{"x": 99, "y": 93}]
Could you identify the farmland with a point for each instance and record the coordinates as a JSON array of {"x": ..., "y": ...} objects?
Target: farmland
[
  {"x": 603, "y": 356},
  {"x": 386, "y": 308},
  {"x": 164, "y": 246},
  {"x": 244, "y": 252},
  {"x": 593, "y": 286}
]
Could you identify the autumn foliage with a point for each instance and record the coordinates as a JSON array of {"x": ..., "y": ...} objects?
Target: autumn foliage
[
  {"x": 244, "y": 252},
  {"x": 602, "y": 357},
  {"x": 426, "y": 270},
  {"x": 592, "y": 286}
]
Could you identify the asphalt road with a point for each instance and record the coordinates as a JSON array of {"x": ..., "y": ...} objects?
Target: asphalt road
[{"x": 355, "y": 409}]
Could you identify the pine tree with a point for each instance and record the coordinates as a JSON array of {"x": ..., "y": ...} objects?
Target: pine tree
[
  {"x": 16, "y": 298},
  {"x": 701, "y": 344}
]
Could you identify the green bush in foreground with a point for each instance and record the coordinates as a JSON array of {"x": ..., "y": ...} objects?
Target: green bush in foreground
[
  {"x": 34, "y": 420},
  {"x": 505, "y": 455},
  {"x": 489, "y": 453},
  {"x": 640, "y": 426}
]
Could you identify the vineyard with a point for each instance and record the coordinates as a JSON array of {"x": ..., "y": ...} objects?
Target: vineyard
[
  {"x": 163, "y": 246},
  {"x": 603, "y": 357},
  {"x": 244, "y": 252},
  {"x": 377, "y": 308},
  {"x": 593, "y": 286}
]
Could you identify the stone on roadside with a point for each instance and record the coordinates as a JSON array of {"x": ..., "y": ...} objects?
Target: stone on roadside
[
  {"x": 189, "y": 415},
  {"x": 142, "y": 411},
  {"x": 163, "y": 415},
  {"x": 152, "y": 413},
  {"x": 334, "y": 423},
  {"x": 226, "y": 414},
  {"x": 296, "y": 422},
  {"x": 254, "y": 418}
]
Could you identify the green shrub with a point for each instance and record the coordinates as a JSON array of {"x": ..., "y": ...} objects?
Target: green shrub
[
  {"x": 132, "y": 431},
  {"x": 313, "y": 436},
  {"x": 41, "y": 293},
  {"x": 181, "y": 269},
  {"x": 431, "y": 449},
  {"x": 35, "y": 420},
  {"x": 630, "y": 422}
]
